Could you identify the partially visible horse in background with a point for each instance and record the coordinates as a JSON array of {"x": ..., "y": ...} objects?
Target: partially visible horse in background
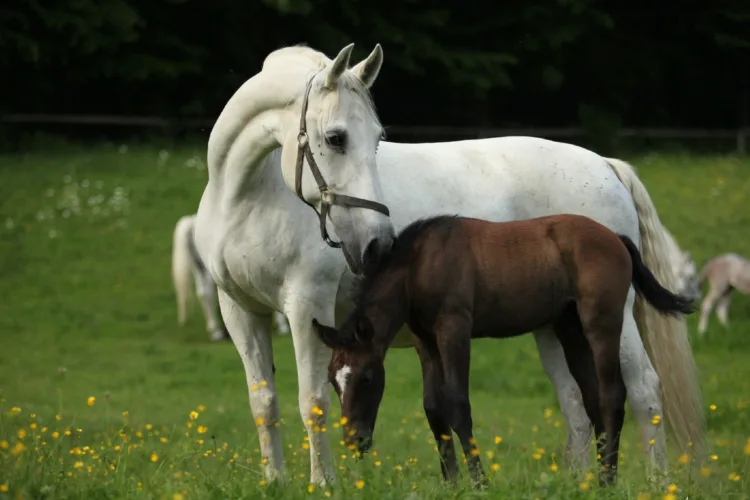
[
  {"x": 725, "y": 273},
  {"x": 683, "y": 267},
  {"x": 186, "y": 264}
]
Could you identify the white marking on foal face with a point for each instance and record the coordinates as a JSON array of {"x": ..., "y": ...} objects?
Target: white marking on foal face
[{"x": 342, "y": 376}]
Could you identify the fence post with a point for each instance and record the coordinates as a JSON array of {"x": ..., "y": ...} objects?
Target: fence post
[{"x": 742, "y": 134}]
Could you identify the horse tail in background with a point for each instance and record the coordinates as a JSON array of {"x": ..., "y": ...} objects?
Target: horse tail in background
[
  {"x": 664, "y": 336},
  {"x": 646, "y": 285},
  {"x": 182, "y": 264}
]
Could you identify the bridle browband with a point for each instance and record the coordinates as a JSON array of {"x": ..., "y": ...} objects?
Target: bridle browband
[{"x": 327, "y": 197}]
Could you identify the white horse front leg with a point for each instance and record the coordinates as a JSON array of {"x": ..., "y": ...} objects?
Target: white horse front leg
[
  {"x": 312, "y": 373},
  {"x": 580, "y": 431},
  {"x": 251, "y": 334}
]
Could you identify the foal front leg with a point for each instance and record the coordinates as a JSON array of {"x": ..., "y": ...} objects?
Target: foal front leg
[
  {"x": 453, "y": 334},
  {"x": 434, "y": 407}
]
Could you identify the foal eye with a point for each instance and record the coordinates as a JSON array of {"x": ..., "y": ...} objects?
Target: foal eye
[{"x": 336, "y": 140}]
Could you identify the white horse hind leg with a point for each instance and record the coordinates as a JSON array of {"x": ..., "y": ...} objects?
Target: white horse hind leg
[
  {"x": 206, "y": 292},
  {"x": 251, "y": 334},
  {"x": 579, "y": 426},
  {"x": 312, "y": 375},
  {"x": 644, "y": 393}
]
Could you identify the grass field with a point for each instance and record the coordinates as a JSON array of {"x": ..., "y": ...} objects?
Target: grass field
[{"x": 98, "y": 382}]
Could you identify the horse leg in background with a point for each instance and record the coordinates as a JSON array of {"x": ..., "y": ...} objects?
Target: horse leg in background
[
  {"x": 251, "y": 334},
  {"x": 602, "y": 327},
  {"x": 282, "y": 326},
  {"x": 722, "y": 307},
  {"x": 453, "y": 337},
  {"x": 644, "y": 391},
  {"x": 205, "y": 289},
  {"x": 580, "y": 361},
  {"x": 577, "y": 423},
  {"x": 312, "y": 358},
  {"x": 717, "y": 290},
  {"x": 434, "y": 407}
]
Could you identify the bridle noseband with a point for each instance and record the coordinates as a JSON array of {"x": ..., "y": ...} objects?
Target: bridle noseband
[{"x": 327, "y": 197}]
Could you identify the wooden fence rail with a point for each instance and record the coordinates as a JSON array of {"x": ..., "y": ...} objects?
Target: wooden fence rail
[{"x": 740, "y": 135}]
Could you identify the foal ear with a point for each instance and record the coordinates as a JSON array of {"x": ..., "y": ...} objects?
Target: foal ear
[
  {"x": 368, "y": 70},
  {"x": 364, "y": 331},
  {"x": 338, "y": 66},
  {"x": 328, "y": 335}
]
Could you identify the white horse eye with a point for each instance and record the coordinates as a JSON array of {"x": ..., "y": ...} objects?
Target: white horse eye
[{"x": 336, "y": 140}]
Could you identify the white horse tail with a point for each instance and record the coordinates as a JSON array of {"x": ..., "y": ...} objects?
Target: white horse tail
[
  {"x": 666, "y": 337},
  {"x": 182, "y": 264}
]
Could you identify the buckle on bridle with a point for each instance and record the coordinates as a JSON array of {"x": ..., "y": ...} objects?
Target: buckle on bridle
[
  {"x": 302, "y": 139},
  {"x": 326, "y": 196}
]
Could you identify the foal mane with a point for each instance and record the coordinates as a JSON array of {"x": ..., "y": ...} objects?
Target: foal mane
[{"x": 399, "y": 253}]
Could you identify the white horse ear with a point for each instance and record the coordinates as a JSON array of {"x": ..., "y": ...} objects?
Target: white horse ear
[
  {"x": 368, "y": 70},
  {"x": 339, "y": 65}
]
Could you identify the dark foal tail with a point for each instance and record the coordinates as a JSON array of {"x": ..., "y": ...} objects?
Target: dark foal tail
[{"x": 646, "y": 285}]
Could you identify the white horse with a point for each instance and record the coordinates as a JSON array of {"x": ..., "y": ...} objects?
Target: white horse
[
  {"x": 186, "y": 264},
  {"x": 260, "y": 240}
]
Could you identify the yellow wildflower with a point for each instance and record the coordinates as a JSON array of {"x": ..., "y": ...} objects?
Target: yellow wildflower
[
  {"x": 201, "y": 408},
  {"x": 672, "y": 488},
  {"x": 78, "y": 464},
  {"x": 360, "y": 484},
  {"x": 705, "y": 471},
  {"x": 498, "y": 440},
  {"x": 584, "y": 486},
  {"x": 734, "y": 476},
  {"x": 669, "y": 496},
  {"x": 684, "y": 458},
  {"x": 21, "y": 433},
  {"x": 4, "y": 445},
  {"x": 15, "y": 410},
  {"x": 310, "y": 488},
  {"x": 344, "y": 420},
  {"x": 643, "y": 496},
  {"x": 656, "y": 420},
  {"x": 177, "y": 496},
  {"x": 712, "y": 407},
  {"x": 32, "y": 426},
  {"x": 3, "y": 488},
  {"x": 202, "y": 429},
  {"x": 193, "y": 415},
  {"x": 259, "y": 421},
  {"x": 553, "y": 467},
  {"x": 154, "y": 457},
  {"x": 18, "y": 449},
  {"x": 163, "y": 439},
  {"x": 747, "y": 447},
  {"x": 495, "y": 467}
]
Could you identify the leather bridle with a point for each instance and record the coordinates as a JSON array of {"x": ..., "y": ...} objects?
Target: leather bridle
[{"x": 327, "y": 197}]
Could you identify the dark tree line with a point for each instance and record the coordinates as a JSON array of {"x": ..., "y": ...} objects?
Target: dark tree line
[{"x": 467, "y": 62}]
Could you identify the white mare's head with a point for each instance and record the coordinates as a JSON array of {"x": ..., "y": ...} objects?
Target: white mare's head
[{"x": 343, "y": 133}]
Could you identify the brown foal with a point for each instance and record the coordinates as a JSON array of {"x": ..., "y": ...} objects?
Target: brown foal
[{"x": 451, "y": 279}]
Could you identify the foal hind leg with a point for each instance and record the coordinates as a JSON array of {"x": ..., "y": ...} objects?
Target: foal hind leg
[
  {"x": 453, "y": 333},
  {"x": 577, "y": 423},
  {"x": 434, "y": 407},
  {"x": 602, "y": 327},
  {"x": 580, "y": 360}
]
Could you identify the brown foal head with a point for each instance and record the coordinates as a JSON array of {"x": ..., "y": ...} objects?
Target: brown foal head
[{"x": 357, "y": 374}]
